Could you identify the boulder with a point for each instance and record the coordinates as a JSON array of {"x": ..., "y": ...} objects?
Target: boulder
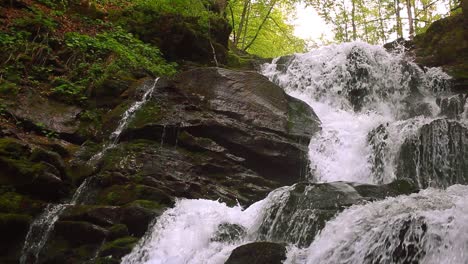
[
  {"x": 258, "y": 253},
  {"x": 79, "y": 233},
  {"x": 452, "y": 106},
  {"x": 13, "y": 228},
  {"x": 444, "y": 45},
  {"x": 179, "y": 37},
  {"x": 229, "y": 233},
  {"x": 243, "y": 112},
  {"x": 45, "y": 115},
  {"x": 118, "y": 248},
  {"x": 296, "y": 214},
  {"x": 437, "y": 156}
]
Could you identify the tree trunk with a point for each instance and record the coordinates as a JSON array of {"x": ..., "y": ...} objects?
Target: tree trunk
[
  {"x": 399, "y": 28},
  {"x": 246, "y": 26},
  {"x": 345, "y": 16},
  {"x": 410, "y": 19},
  {"x": 272, "y": 5},
  {"x": 353, "y": 19},
  {"x": 382, "y": 27},
  {"x": 241, "y": 22}
]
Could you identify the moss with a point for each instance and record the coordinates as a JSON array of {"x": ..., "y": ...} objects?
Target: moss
[
  {"x": 8, "y": 88},
  {"x": 117, "y": 231},
  {"x": 443, "y": 43},
  {"x": 119, "y": 247},
  {"x": 16, "y": 172},
  {"x": 148, "y": 205},
  {"x": 14, "y": 220},
  {"x": 90, "y": 123},
  {"x": 10, "y": 202},
  {"x": 127, "y": 194},
  {"x": 235, "y": 61},
  {"x": 150, "y": 113},
  {"x": 13, "y": 148}
]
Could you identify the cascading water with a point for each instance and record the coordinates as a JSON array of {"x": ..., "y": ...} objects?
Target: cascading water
[
  {"x": 41, "y": 227},
  {"x": 428, "y": 227},
  {"x": 354, "y": 88},
  {"x": 370, "y": 103}
]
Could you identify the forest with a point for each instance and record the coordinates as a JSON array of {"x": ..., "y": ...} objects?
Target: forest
[{"x": 214, "y": 132}]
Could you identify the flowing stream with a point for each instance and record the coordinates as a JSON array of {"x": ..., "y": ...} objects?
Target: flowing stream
[
  {"x": 371, "y": 103},
  {"x": 43, "y": 225}
]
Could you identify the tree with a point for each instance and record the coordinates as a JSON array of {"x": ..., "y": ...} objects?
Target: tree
[{"x": 260, "y": 27}]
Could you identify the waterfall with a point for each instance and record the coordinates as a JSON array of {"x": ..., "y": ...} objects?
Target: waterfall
[
  {"x": 43, "y": 225},
  {"x": 354, "y": 88},
  {"x": 371, "y": 103}
]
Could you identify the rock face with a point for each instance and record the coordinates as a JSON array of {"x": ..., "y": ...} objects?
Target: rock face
[
  {"x": 46, "y": 115},
  {"x": 241, "y": 115},
  {"x": 437, "y": 156},
  {"x": 182, "y": 37},
  {"x": 207, "y": 133},
  {"x": 299, "y": 212},
  {"x": 444, "y": 44},
  {"x": 258, "y": 253}
]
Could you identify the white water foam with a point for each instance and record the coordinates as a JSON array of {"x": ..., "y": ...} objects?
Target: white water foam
[
  {"x": 340, "y": 152},
  {"x": 432, "y": 225},
  {"x": 325, "y": 79}
]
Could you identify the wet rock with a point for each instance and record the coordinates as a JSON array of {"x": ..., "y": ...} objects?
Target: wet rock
[
  {"x": 444, "y": 45},
  {"x": 118, "y": 248},
  {"x": 13, "y": 229},
  {"x": 117, "y": 231},
  {"x": 297, "y": 213},
  {"x": 240, "y": 111},
  {"x": 258, "y": 253},
  {"x": 78, "y": 232},
  {"x": 98, "y": 215},
  {"x": 41, "y": 114},
  {"x": 453, "y": 106},
  {"x": 229, "y": 233},
  {"x": 377, "y": 139},
  {"x": 437, "y": 156},
  {"x": 137, "y": 219}
]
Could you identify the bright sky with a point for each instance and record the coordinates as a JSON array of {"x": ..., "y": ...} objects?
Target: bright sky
[{"x": 309, "y": 25}]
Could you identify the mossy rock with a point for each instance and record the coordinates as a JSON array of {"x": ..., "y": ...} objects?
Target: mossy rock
[
  {"x": 119, "y": 247},
  {"x": 19, "y": 172},
  {"x": 117, "y": 231},
  {"x": 235, "y": 61},
  {"x": 53, "y": 158},
  {"x": 151, "y": 205},
  {"x": 150, "y": 113},
  {"x": 443, "y": 43},
  {"x": 13, "y": 148},
  {"x": 126, "y": 194},
  {"x": 13, "y": 229},
  {"x": 11, "y": 202}
]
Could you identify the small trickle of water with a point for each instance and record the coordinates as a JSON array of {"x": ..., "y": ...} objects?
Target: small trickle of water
[
  {"x": 42, "y": 226},
  {"x": 124, "y": 121},
  {"x": 39, "y": 232}
]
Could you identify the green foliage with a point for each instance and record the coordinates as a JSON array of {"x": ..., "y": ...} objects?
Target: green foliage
[
  {"x": 199, "y": 9},
  {"x": 37, "y": 22},
  {"x": 127, "y": 53},
  {"x": 8, "y": 88},
  {"x": 261, "y": 28}
]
